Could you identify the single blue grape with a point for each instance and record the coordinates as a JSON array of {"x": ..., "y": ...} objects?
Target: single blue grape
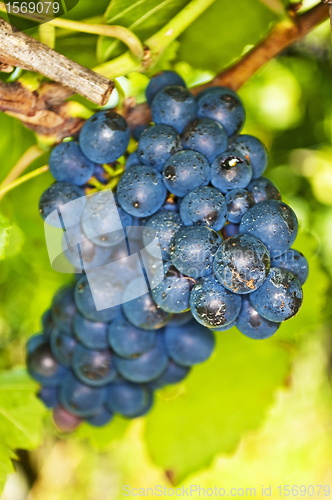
[
  {"x": 190, "y": 344},
  {"x": 49, "y": 396},
  {"x": 224, "y": 106},
  {"x": 204, "y": 206},
  {"x": 180, "y": 319},
  {"x": 62, "y": 347},
  {"x": 157, "y": 144},
  {"x": 184, "y": 171},
  {"x": 128, "y": 341},
  {"x": 95, "y": 368},
  {"x": 263, "y": 189},
  {"x": 274, "y": 223},
  {"x": 230, "y": 170},
  {"x": 91, "y": 334},
  {"x": 47, "y": 323},
  {"x": 43, "y": 367},
  {"x": 279, "y": 298},
  {"x": 172, "y": 293},
  {"x": 86, "y": 305},
  {"x": 146, "y": 367},
  {"x": 238, "y": 203},
  {"x": 173, "y": 374},
  {"x": 104, "y": 137},
  {"x": 192, "y": 250},
  {"x": 174, "y": 106},
  {"x": 100, "y": 418},
  {"x": 80, "y": 399},
  {"x": 212, "y": 305},
  {"x": 147, "y": 407},
  {"x": 242, "y": 264},
  {"x": 160, "y": 81},
  {"x": 35, "y": 341},
  {"x": 295, "y": 262},
  {"x": 68, "y": 164},
  {"x": 163, "y": 226},
  {"x": 252, "y": 325},
  {"x": 205, "y": 136},
  {"x": 230, "y": 229},
  {"x": 141, "y": 191},
  {"x": 89, "y": 255},
  {"x": 143, "y": 312},
  {"x": 58, "y": 195},
  {"x": 133, "y": 159},
  {"x": 127, "y": 399},
  {"x": 63, "y": 310},
  {"x": 252, "y": 147}
]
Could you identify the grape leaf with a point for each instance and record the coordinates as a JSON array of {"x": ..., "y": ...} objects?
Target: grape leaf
[
  {"x": 21, "y": 415},
  {"x": 221, "y": 34},
  {"x": 102, "y": 437},
  {"x": 4, "y": 233},
  {"x": 221, "y": 399},
  {"x": 143, "y": 17}
]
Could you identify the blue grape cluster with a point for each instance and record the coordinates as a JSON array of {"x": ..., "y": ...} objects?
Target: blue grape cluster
[{"x": 195, "y": 185}]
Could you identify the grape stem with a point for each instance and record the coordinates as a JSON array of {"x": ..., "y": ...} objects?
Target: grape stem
[{"x": 24, "y": 178}]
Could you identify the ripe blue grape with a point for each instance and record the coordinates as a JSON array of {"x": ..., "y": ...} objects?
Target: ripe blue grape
[
  {"x": 205, "y": 136},
  {"x": 58, "y": 195},
  {"x": 86, "y": 305},
  {"x": 192, "y": 250},
  {"x": 173, "y": 374},
  {"x": 47, "y": 323},
  {"x": 35, "y": 341},
  {"x": 172, "y": 293},
  {"x": 160, "y": 81},
  {"x": 238, "y": 203},
  {"x": 104, "y": 137},
  {"x": 64, "y": 420},
  {"x": 62, "y": 347},
  {"x": 49, "y": 396},
  {"x": 224, "y": 106},
  {"x": 91, "y": 334},
  {"x": 279, "y": 298},
  {"x": 63, "y": 309},
  {"x": 157, "y": 144},
  {"x": 89, "y": 255},
  {"x": 163, "y": 226},
  {"x": 180, "y": 319},
  {"x": 102, "y": 221},
  {"x": 43, "y": 367},
  {"x": 274, "y": 223},
  {"x": 143, "y": 312},
  {"x": 145, "y": 367},
  {"x": 127, "y": 399},
  {"x": 252, "y": 147},
  {"x": 224, "y": 328},
  {"x": 95, "y": 368},
  {"x": 242, "y": 264},
  {"x": 230, "y": 230},
  {"x": 67, "y": 163},
  {"x": 293, "y": 261},
  {"x": 184, "y": 171},
  {"x": 133, "y": 159},
  {"x": 174, "y": 106},
  {"x": 212, "y": 305},
  {"x": 80, "y": 399},
  {"x": 263, "y": 189},
  {"x": 190, "y": 344},
  {"x": 230, "y": 170},
  {"x": 251, "y": 324},
  {"x": 171, "y": 204},
  {"x": 100, "y": 418},
  {"x": 141, "y": 191},
  {"x": 204, "y": 206},
  {"x": 128, "y": 341}
]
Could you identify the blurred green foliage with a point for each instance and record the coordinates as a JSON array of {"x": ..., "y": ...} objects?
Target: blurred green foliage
[{"x": 289, "y": 106}]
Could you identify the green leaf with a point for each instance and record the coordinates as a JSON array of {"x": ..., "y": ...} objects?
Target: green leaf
[
  {"x": 143, "y": 17},
  {"x": 102, "y": 437},
  {"x": 221, "y": 399},
  {"x": 223, "y": 32},
  {"x": 21, "y": 415},
  {"x": 4, "y": 233}
]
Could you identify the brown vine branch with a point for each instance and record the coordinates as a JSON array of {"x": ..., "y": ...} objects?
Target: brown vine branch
[
  {"x": 19, "y": 49},
  {"x": 281, "y": 36}
]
